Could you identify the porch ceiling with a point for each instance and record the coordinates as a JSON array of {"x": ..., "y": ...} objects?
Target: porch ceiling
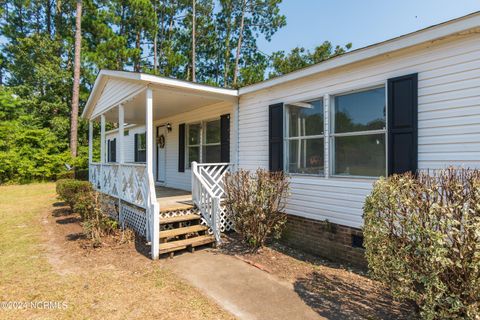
[{"x": 166, "y": 102}]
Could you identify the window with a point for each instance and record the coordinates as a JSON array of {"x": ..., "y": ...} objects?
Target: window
[
  {"x": 203, "y": 142},
  {"x": 141, "y": 147},
  {"x": 359, "y": 133},
  {"x": 211, "y": 143},
  {"x": 305, "y": 138},
  {"x": 112, "y": 150}
]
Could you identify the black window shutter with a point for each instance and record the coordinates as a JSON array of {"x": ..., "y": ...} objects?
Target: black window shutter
[
  {"x": 275, "y": 136},
  {"x": 225, "y": 138},
  {"x": 135, "y": 139},
  {"x": 402, "y": 124},
  {"x": 181, "y": 147},
  {"x": 113, "y": 146}
]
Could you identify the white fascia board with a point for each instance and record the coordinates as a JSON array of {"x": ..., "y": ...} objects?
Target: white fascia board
[
  {"x": 418, "y": 37},
  {"x": 181, "y": 84}
]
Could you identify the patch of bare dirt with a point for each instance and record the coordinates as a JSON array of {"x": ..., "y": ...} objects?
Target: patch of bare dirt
[
  {"x": 118, "y": 279},
  {"x": 333, "y": 290}
]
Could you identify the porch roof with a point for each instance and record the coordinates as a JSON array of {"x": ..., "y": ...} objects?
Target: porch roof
[{"x": 170, "y": 96}]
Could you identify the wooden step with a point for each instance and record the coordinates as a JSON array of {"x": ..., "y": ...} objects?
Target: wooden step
[
  {"x": 179, "y": 231},
  {"x": 186, "y": 243},
  {"x": 187, "y": 217}
]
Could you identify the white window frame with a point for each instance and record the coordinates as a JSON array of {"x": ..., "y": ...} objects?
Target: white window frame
[
  {"x": 203, "y": 135},
  {"x": 332, "y": 135},
  {"x": 287, "y": 138}
]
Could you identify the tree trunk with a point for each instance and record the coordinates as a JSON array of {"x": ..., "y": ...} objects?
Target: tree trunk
[
  {"x": 76, "y": 80},
  {"x": 193, "y": 41},
  {"x": 136, "y": 67},
  {"x": 48, "y": 17},
  {"x": 227, "y": 46},
  {"x": 58, "y": 25},
  {"x": 239, "y": 44},
  {"x": 162, "y": 22},
  {"x": 155, "y": 40}
]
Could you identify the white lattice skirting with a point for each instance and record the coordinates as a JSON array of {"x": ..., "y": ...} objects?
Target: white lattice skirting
[
  {"x": 134, "y": 218},
  {"x": 225, "y": 223}
]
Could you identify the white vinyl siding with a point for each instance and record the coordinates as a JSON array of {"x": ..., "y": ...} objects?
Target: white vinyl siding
[{"x": 448, "y": 120}]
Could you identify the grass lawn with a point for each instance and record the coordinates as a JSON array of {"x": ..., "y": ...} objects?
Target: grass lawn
[{"x": 42, "y": 260}]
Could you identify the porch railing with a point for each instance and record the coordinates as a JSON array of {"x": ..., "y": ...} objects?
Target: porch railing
[
  {"x": 208, "y": 192},
  {"x": 128, "y": 182}
]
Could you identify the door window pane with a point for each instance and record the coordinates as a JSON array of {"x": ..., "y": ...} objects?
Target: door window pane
[
  {"x": 362, "y": 155},
  {"x": 307, "y": 119},
  {"x": 212, "y": 132},
  {"x": 194, "y": 134},
  {"x": 360, "y": 111},
  {"x": 306, "y": 156}
]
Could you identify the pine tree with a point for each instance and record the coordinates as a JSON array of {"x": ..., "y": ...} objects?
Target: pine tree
[{"x": 76, "y": 80}]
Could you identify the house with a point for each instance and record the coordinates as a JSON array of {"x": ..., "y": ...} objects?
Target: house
[{"x": 406, "y": 104}]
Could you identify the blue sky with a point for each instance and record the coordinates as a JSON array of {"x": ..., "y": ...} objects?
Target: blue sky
[{"x": 362, "y": 22}]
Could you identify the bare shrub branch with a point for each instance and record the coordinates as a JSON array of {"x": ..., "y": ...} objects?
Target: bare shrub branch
[{"x": 256, "y": 204}]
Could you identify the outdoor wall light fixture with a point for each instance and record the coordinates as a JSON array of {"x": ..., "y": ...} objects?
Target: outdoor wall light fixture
[{"x": 169, "y": 127}]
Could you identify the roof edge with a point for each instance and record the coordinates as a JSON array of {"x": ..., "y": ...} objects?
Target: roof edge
[
  {"x": 431, "y": 33},
  {"x": 105, "y": 74}
]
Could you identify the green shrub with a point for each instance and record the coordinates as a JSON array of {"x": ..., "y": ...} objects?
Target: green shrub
[
  {"x": 66, "y": 175},
  {"x": 69, "y": 190},
  {"x": 255, "y": 203},
  {"x": 422, "y": 239}
]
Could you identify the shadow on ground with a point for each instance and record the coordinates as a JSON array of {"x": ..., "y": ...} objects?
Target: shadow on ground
[
  {"x": 76, "y": 236},
  {"x": 61, "y": 211},
  {"x": 68, "y": 220},
  {"x": 334, "y": 298}
]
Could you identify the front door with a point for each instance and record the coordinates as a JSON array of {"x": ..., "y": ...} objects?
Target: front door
[{"x": 161, "y": 153}]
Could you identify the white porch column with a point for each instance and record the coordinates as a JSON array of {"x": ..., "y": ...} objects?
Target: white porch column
[
  {"x": 154, "y": 208},
  {"x": 121, "y": 129},
  {"x": 90, "y": 142},
  {"x": 102, "y": 138}
]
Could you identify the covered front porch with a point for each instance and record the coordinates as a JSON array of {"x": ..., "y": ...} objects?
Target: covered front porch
[
  {"x": 170, "y": 199},
  {"x": 157, "y": 156}
]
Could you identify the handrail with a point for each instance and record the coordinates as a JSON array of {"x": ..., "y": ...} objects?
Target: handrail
[{"x": 205, "y": 198}]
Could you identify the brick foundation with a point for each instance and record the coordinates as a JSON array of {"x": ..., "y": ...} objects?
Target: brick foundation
[{"x": 331, "y": 241}]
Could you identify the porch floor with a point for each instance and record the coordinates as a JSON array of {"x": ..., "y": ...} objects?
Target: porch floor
[{"x": 173, "y": 199}]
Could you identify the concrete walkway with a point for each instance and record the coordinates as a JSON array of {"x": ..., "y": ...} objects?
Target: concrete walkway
[{"x": 242, "y": 289}]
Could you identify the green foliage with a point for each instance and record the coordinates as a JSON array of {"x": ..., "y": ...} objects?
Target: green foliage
[
  {"x": 299, "y": 57},
  {"x": 152, "y": 36},
  {"x": 422, "y": 239},
  {"x": 256, "y": 204},
  {"x": 70, "y": 191}
]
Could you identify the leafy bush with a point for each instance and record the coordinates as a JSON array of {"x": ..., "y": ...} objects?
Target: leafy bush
[
  {"x": 422, "y": 239},
  {"x": 255, "y": 203},
  {"x": 66, "y": 175},
  {"x": 69, "y": 190}
]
